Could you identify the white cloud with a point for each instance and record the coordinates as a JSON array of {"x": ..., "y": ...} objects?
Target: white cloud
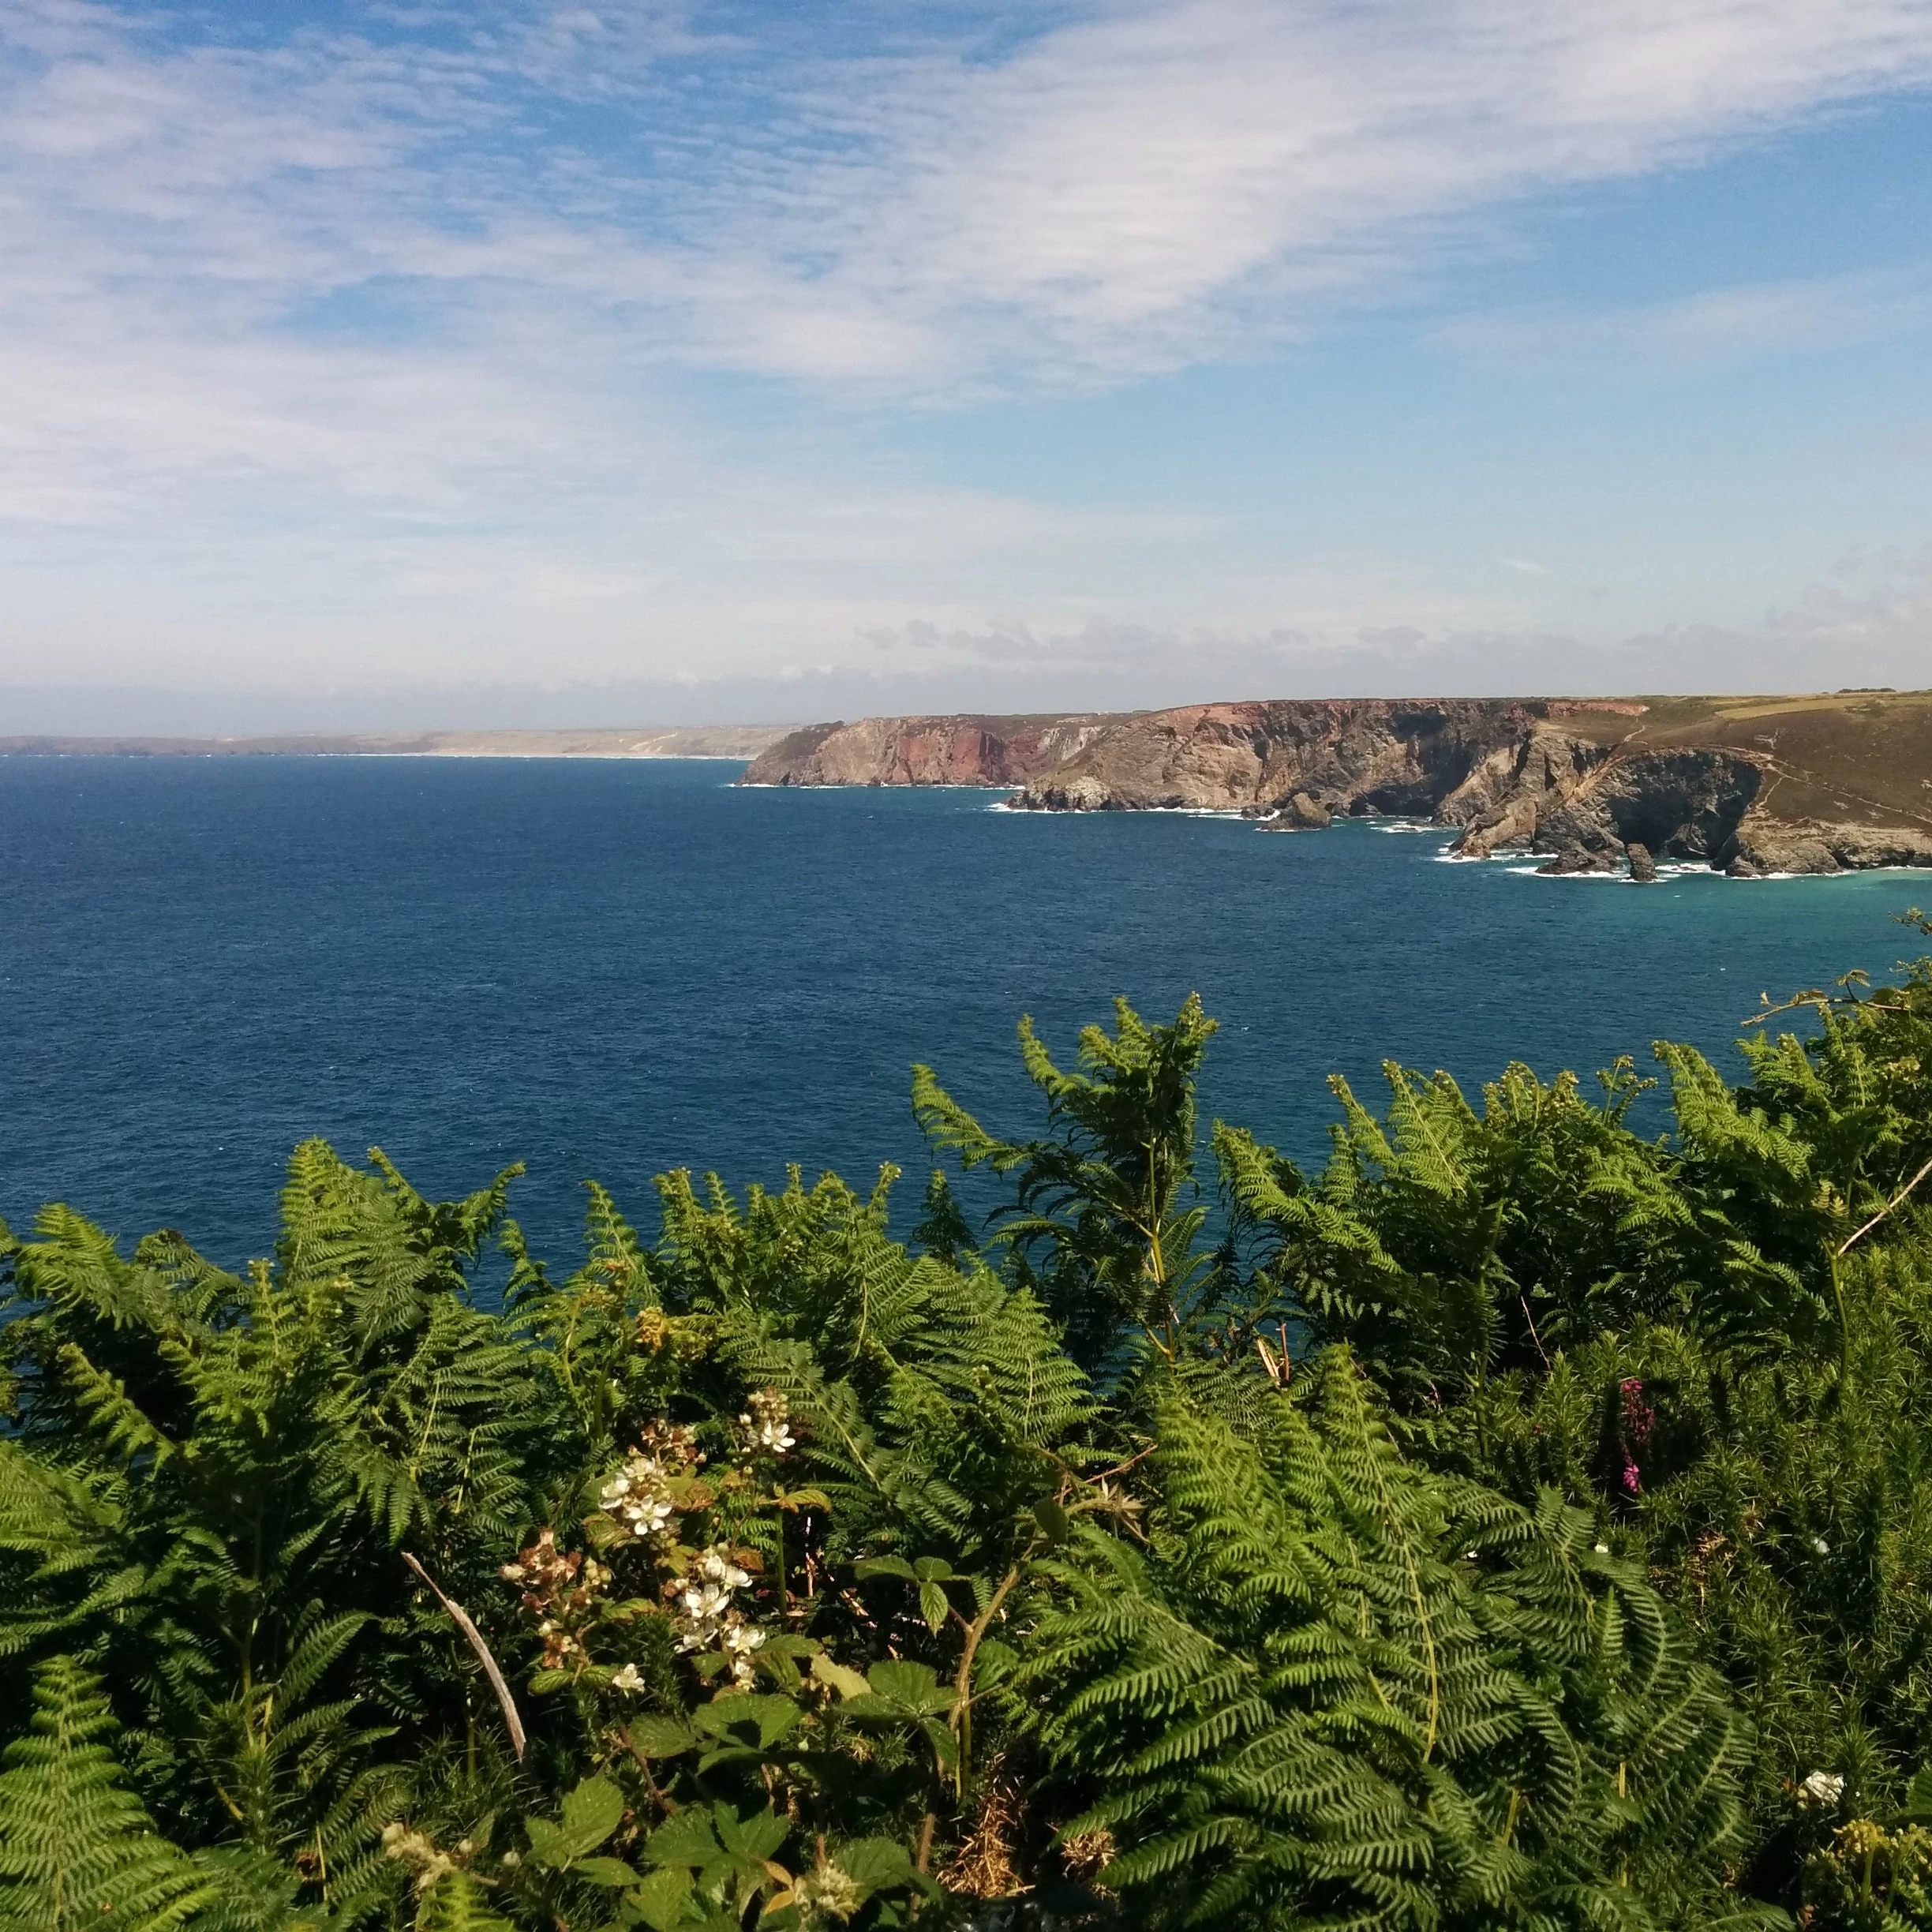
[
  {"x": 1158, "y": 182},
  {"x": 1871, "y": 602},
  {"x": 1759, "y": 319},
  {"x": 380, "y": 334}
]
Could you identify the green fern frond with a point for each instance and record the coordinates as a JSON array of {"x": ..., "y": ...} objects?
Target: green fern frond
[{"x": 77, "y": 1848}]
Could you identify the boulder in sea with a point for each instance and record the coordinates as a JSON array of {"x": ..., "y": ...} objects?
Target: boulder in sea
[
  {"x": 1299, "y": 814},
  {"x": 1642, "y": 866},
  {"x": 1577, "y": 860}
]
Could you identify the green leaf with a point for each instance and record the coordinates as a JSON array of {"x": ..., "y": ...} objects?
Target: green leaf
[
  {"x": 934, "y": 1607},
  {"x": 875, "y": 1863},
  {"x": 934, "y": 1570},
  {"x": 549, "y": 1844},
  {"x": 991, "y": 1662},
  {"x": 1917, "y": 1809},
  {"x": 604, "y": 1871},
  {"x": 756, "y": 1722},
  {"x": 1052, "y": 1518},
  {"x": 685, "y": 1839},
  {"x": 660, "y": 1900},
  {"x": 457, "y": 1903},
  {"x": 77, "y": 1848},
  {"x": 661, "y": 1737},
  {"x": 591, "y": 1812},
  {"x": 756, "y": 1837},
  {"x": 781, "y": 1643},
  {"x": 914, "y": 1688},
  {"x": 884, "y": 1566}
]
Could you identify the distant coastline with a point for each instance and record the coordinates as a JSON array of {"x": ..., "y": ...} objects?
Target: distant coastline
[{"x": 734, "y": 743}]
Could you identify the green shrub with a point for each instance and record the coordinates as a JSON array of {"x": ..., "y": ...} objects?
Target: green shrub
[{"x": 1519, "y": 1522}]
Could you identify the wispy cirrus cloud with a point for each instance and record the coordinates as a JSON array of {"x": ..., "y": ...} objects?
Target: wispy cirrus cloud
[
  {"x": 1774, "y": 318},
  {"x": 1163, "y": 182},
  {"x": 395, "y": 311},
  {"x": 1128, "y": 188}
]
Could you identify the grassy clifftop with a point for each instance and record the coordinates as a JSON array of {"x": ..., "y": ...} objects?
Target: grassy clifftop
[{"x": 1851, "y": 756}]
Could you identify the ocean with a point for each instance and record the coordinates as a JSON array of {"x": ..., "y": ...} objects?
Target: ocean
[{"x": 611, "y": 968}]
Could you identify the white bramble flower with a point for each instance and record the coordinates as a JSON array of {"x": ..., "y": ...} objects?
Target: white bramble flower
[
  {"x": 649, "y": 1519},
  {"x": 627, "y": 1680},
  {"x": 738, "y": 1640},
  {"x": 766, "y": 1422},
  {"x": 706, "y": 1612},
  {"x": 1822, "y": 1788},
  {"x": 716, "y": 1563},
  {"x": 418, "y": 1852},
  {"x": 704, "y": 1603},
  {"x": 1819, "y": 1544},
  {"x": 828, "y": 1891},
  {"x": 1603, "y": 1549},
  {"x": 638, "y": 1496}
]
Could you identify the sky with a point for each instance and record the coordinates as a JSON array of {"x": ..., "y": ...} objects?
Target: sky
[{"x": 398, "y": 365}]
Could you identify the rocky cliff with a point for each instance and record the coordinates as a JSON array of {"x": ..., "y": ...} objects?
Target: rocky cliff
[
  {"x": 1749, "y": 786},
  {"x": 958, "y": 751},
  {"x": 1360, "y": 756}
]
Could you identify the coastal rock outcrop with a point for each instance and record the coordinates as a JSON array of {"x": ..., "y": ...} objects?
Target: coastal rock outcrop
[
  {"x": 1764, "y": 847},
  {"x": 1832, "y": 782},
  {"x": 1681, "y": 805},
  {"x": 1300, "y": 814}
]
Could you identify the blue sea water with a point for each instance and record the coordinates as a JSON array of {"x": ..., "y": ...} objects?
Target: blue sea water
[{"x": 612, "y": 969}]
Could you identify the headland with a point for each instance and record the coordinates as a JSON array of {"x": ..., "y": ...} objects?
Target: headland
[{"x": 1751, "y": 786}]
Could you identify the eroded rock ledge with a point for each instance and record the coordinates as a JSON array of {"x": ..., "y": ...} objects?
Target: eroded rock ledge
[{"x": 1588, "y": 785}]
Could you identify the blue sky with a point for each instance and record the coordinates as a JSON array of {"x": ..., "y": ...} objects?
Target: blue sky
[{"x": 400, "y": 364}]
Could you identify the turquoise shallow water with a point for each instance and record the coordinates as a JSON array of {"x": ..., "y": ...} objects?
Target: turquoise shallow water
[{"x": 611, "y": 968}]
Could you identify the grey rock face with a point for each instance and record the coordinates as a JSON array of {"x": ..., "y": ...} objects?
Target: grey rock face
[
  {"x": 1363, "y": 756},
  {"x": 1675, "y": 804},
  {"x": 1579, "y": 858},
  {"x": 1763, "y": 845},
  {"x": 1300, "y": 814}
]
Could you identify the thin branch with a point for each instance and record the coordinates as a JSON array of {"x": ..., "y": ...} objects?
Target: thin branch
[
  {"x": 1524, "y": 1300},
  {"x": 1816, "y": 997},
  {"x": 460, "y": 1617},
  {"x": 1853, "y": 1240},
  {"x": 662, "y": 1798}
]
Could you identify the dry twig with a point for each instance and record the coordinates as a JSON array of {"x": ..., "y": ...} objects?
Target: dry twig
[{"x": 460, "y": 1617}]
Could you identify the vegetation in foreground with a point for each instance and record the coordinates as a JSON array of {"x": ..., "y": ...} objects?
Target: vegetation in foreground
[{"x": 1522, "y": 1522}]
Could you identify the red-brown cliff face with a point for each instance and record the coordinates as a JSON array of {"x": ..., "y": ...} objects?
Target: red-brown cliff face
[
  {"x": 958, "y": 751},
  {"x": 1358, "y": 755}
]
